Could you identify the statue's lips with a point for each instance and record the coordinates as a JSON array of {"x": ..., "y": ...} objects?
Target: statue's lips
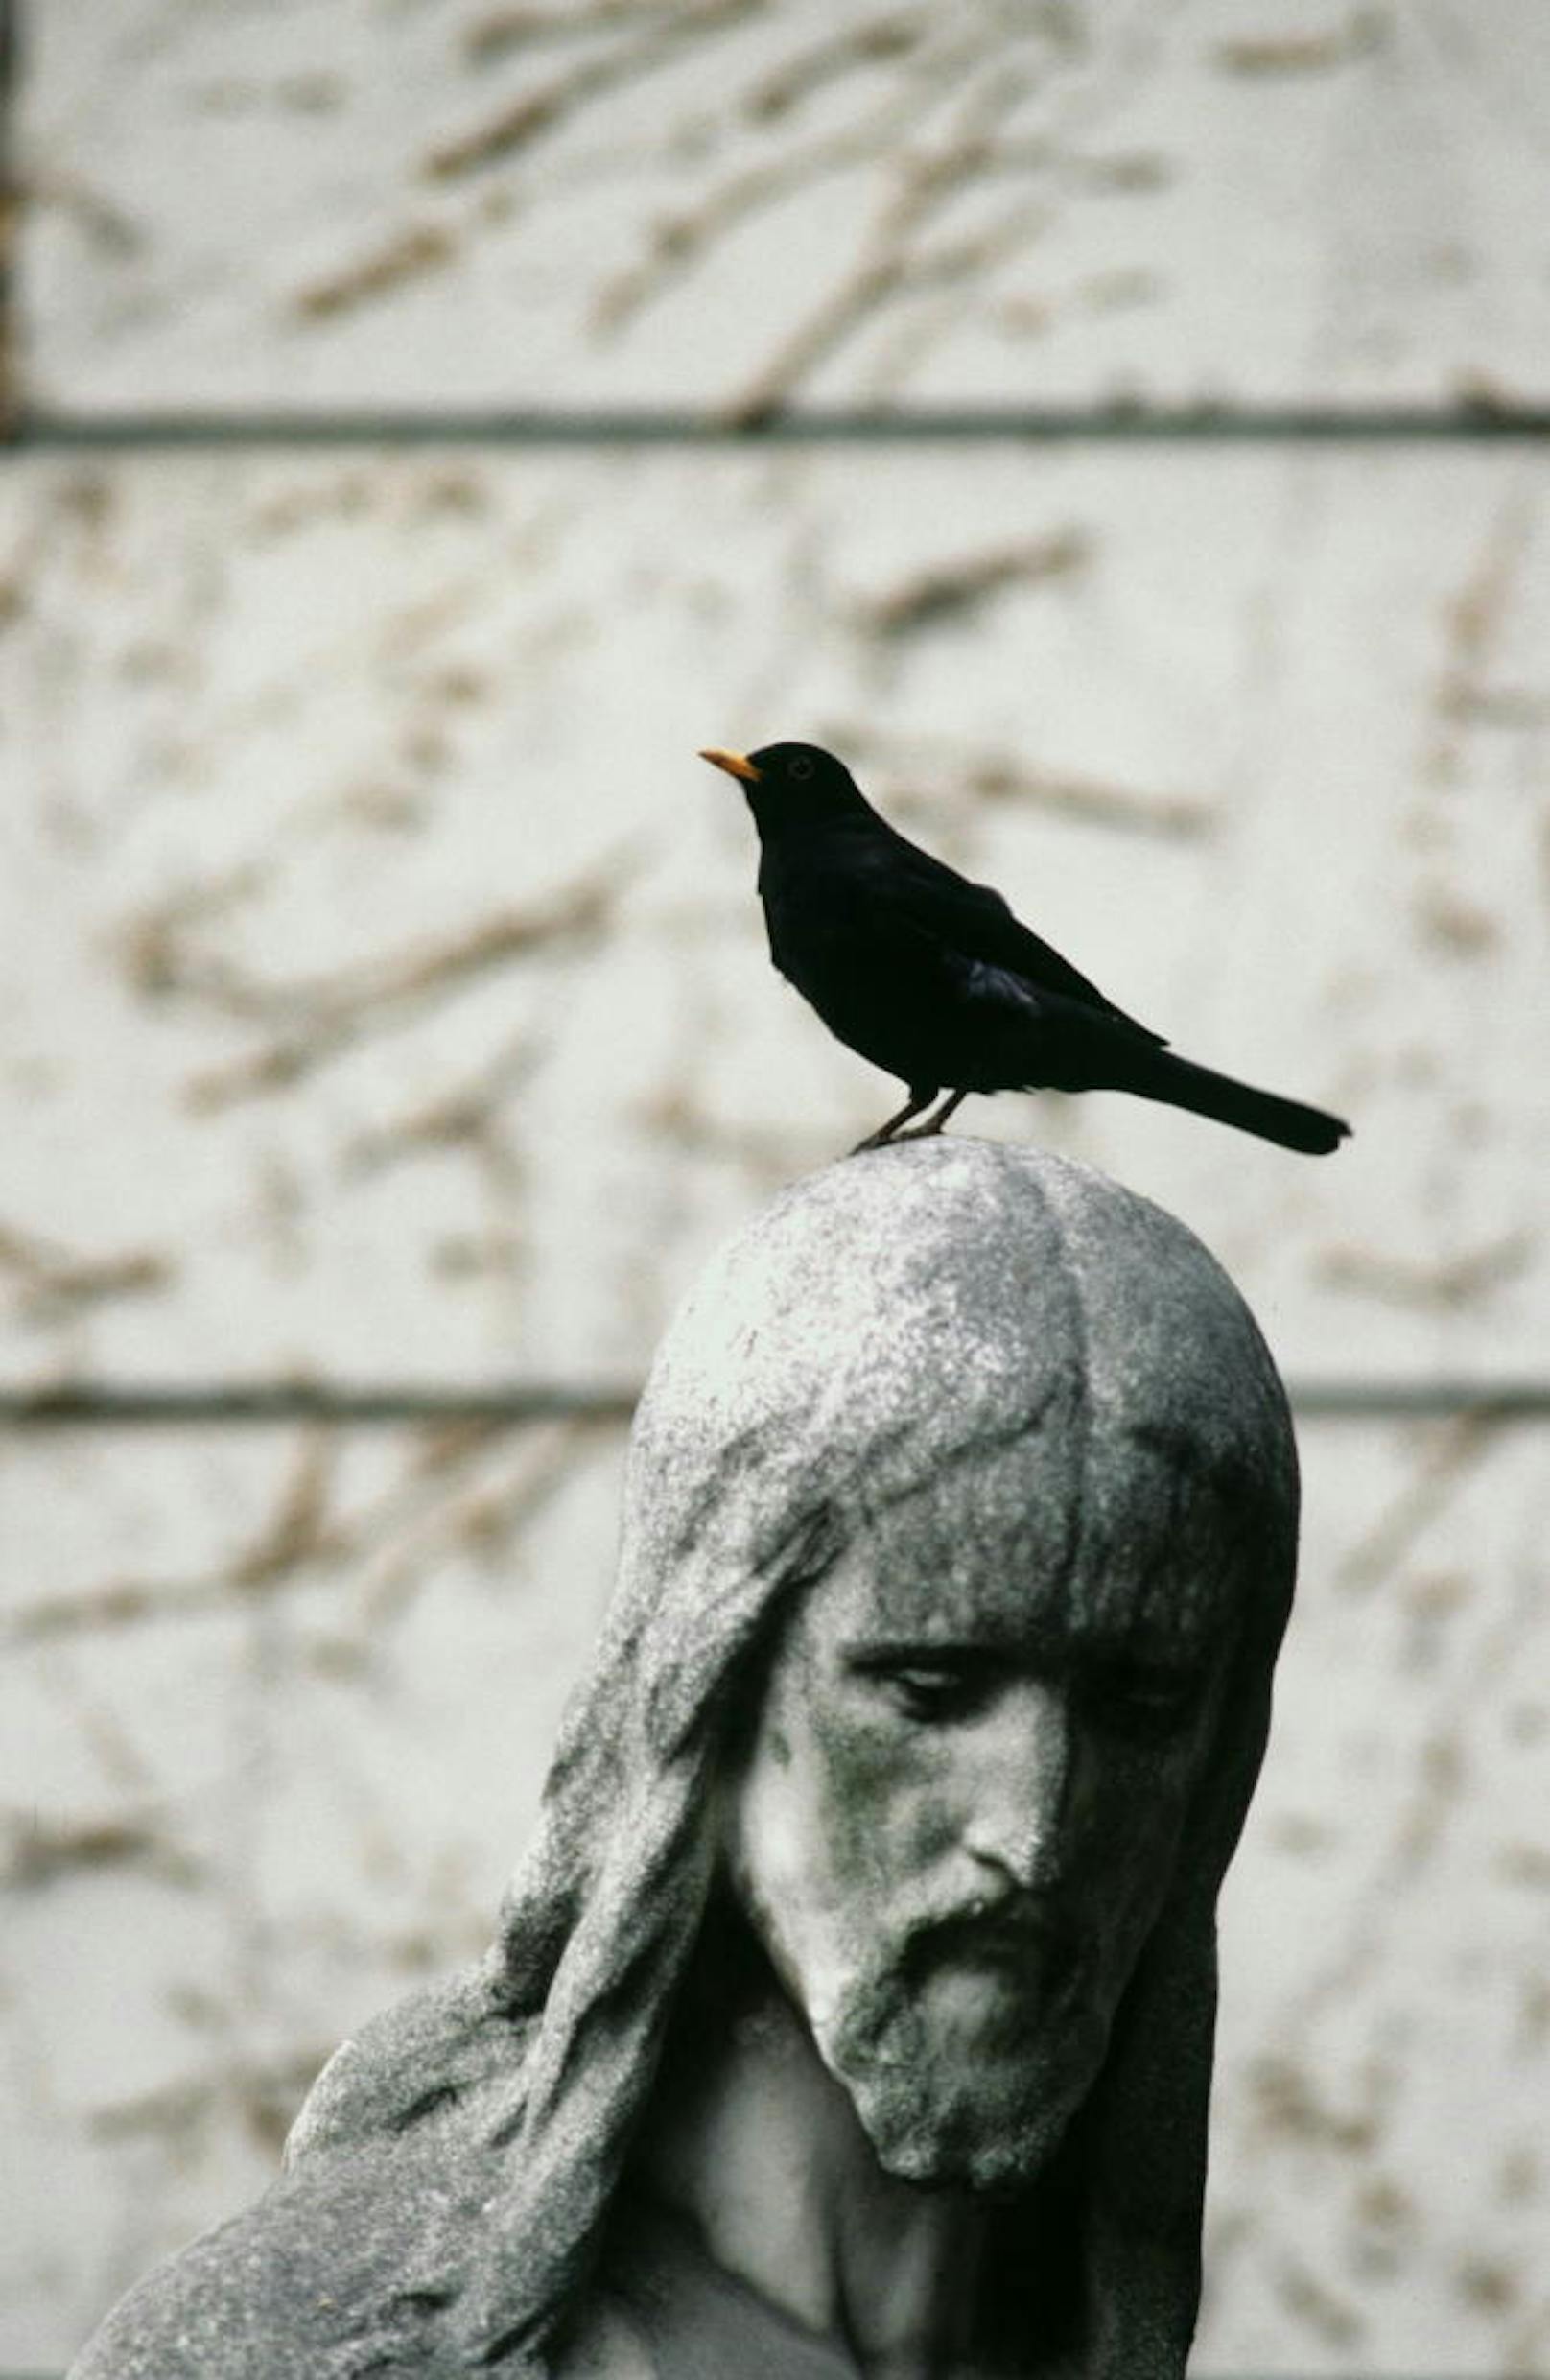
[
  {"x": 983, "y": 1989},
  {"x": 1024, "y": 1939}
]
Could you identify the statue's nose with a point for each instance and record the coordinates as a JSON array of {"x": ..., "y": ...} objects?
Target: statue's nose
[{"x": 1021, "y": 1807}]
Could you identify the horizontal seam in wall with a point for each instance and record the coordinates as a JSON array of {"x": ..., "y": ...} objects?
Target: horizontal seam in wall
[
  {"x": 103, "y": 1405},
  {"x": 43, "y": 432}
]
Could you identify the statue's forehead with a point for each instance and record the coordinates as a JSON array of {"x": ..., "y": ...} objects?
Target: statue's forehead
[
  {"x": 1006, "y": 1385},
  {"x": 1081, "y": 1531}
]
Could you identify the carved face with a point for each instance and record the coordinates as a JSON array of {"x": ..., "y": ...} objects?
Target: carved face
[{"x": 960, "y": 1811}]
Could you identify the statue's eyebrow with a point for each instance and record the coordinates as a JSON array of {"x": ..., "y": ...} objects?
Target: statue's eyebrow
[
  {"x": 1179, "y": 1660},
  {"x": 864, "y": 1653}
]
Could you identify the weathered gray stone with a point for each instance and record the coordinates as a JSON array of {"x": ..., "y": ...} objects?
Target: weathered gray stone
[{"x": 972, "y": 1390}]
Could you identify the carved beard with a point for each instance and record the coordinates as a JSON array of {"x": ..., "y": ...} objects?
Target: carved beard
[{"x": 967, "y": 2051}]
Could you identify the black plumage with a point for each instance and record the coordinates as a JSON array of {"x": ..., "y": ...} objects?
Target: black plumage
[{"x": 932, "y": 979}]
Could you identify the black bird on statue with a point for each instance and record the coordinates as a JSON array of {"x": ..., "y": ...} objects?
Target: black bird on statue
[{"x": 933, "y": 978}]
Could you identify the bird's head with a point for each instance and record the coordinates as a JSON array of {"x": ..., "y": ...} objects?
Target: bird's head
[{"x": 790, "y": 784}]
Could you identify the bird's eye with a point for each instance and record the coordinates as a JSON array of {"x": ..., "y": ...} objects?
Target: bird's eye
[{"x": 800, "y": 767}]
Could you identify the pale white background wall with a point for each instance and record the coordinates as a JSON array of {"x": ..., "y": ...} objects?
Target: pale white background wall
[{"x": 386, "y": 1003}]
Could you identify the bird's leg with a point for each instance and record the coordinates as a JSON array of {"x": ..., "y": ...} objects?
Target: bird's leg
[
  {"x": 934, "y": 1124},
  {"x": 887, "y": 1132}
]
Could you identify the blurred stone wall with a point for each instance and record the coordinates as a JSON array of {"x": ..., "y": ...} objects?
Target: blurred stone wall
[{"x": 1120, "y": 431}]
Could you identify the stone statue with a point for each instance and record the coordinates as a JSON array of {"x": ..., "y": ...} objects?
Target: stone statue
[{"x": 853, "y": 2012}]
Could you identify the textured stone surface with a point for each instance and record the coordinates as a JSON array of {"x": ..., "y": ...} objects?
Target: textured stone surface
[
  {"x": 388, "y": 992},
  {"x": 1049, "y": 1387},
  {"x": 311, "y": 1064},
  {"x": 180, "y": 1950},
  {"x": 732, "y": 203}
]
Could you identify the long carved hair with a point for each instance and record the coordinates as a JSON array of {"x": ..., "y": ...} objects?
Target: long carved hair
[{"x": 885, "y": 1321}]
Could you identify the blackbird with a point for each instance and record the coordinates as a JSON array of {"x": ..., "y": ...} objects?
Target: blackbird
[{"x": 933, "y": 978}]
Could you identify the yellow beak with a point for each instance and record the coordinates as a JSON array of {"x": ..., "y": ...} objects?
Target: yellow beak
[{"x": 735, "y": 764}]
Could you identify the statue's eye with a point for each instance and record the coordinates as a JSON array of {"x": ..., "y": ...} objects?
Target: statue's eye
[
  {"x": 932, "y": 1686},
  {"x": 935, "y": 1692},
  {"x": 800, "y": 767},
  {"x": 1143, "y": 1700}
]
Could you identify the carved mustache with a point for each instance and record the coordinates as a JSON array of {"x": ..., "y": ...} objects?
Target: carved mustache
[{"x": 1022, "y": 1928}]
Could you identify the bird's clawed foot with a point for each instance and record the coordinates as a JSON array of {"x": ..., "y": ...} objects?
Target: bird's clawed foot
[
  {"x": 889, "y": 1131},
  {"x": 894, "y": 1128},
  {"x": 934, "y": 1124}
]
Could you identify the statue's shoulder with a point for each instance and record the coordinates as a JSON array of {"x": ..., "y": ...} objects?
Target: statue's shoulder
[
  {"x": 270, "y": 2295},
  {"x": 342, "y": 2260}
]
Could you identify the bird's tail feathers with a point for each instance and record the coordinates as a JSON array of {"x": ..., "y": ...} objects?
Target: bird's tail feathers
[{"x": 1180, "y": 1083}]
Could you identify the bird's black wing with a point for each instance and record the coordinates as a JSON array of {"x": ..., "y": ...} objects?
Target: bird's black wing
[{"x": 976, "y": 924}]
